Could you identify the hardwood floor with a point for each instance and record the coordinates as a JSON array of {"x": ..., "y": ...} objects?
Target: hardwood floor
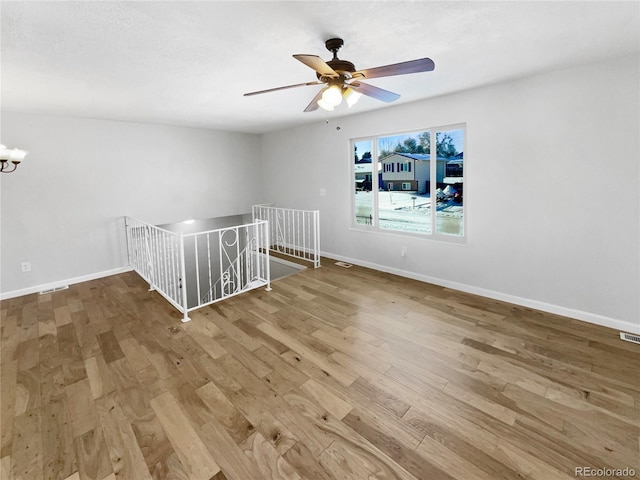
[{"x": 335, "y": 374}]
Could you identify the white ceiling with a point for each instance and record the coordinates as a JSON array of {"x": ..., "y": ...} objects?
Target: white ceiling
[{"x": 188, "y": 63}]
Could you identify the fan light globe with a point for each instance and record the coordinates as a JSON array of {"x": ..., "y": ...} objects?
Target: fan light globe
[
  {"x": 324, "y": 105},
  {"x": 351, "y": 96},
  {"x": 333, "y": 95}
]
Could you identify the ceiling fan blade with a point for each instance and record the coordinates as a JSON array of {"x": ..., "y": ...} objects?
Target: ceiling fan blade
[
  {"x": 412, "y": 66},
  {"x": 317, "y": 64},
  {"x": 314, "y": 103},
  {"x": 281, "y": 88},
  {"x": 375, "y": 92}
]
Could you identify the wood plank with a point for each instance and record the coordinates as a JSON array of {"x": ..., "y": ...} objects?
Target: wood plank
[
  {"x": 455, "y": 465},
  {"x": 170, "y": 468},
  {"x": 343, "y": 375},
  {"x": 93, "y": 455},
  {"x": 235, "y": 372},
  {"x": 152, "y": 440},
  {"x": 267, "y": 460},
  {"x": 490, "y": 407},
  {"x": 10, "y": 339},
  {"x": 131, "y": 349},
  {"x": 324, "y": 397},
  {"x": 282, "y": 378},
  {"x": 350, "y": 461},
  {"x": 448, "y": 447},
  {"x": 304, "y": 462},
  {"x": 235, "y": 333},
  {"x": 232, "y": 460},
  {"x": 49, "y": 355},
  {"x": 126, "y": 458},
  {"x": 266, "y": 340},
  {"x": 109, "y": 346},
  {"x": 52, "y": 384},
  {"x": 70, "y": 354},
  {"x": 58, "y": 452},
  {"x": 204, "y": 332},
  {"x": 360, "y": 351},
  {"x": 527, "y": 465},
  {"x": 99, "y": 376},
  {"x": 62, "y": 315},
  {"x": 28, "y": 354},
  {"x": 404, "y": 455},
  {"x": 225, "y": 412},
  {"x": 272, "y": 429},
  {"x": 244, "y": 356},
  {"x": 381, "y": 396},
  {"x": 85, "y": 416},
  {"x": 8, "y": 375},
  {"x": 87, "y": 335},
  {"x": 26, "y": 451},
  {"x": 190, "y": 448},
  {"x": 5, "y": 467}
]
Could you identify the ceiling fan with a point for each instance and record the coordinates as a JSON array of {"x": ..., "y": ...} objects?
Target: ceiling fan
[{"x": 342, "y": 80}]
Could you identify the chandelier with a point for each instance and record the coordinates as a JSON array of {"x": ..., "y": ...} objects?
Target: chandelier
[{"x": 13, "y": 155}]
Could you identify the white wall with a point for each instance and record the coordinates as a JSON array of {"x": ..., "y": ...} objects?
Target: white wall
[
  {"x": 551, "y": 191},
  {"x": 62, "y": 210}
]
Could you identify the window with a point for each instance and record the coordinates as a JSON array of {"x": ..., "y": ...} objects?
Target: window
[{"x": 428, "y": 195}]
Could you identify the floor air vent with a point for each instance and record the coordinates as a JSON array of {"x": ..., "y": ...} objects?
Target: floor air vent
[
  {"x": 344, "y": 265},
  {"x": 630, "y": 338},
  {"x": 51, "y": 290}
]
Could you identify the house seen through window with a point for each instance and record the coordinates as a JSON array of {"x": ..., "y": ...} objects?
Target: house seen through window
[{"x": 407, "y": 183}]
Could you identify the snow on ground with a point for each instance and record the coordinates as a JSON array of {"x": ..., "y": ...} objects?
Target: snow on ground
[{"x": 410, "y": 212}]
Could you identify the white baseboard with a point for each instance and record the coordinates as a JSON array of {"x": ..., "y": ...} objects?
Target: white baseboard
[
  {"x": 596, "y": 319},
  {"x": 62, "y": 283}
]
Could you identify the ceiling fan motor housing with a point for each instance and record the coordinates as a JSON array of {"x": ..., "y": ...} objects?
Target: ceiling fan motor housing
[{"x": 343, "y": 67}]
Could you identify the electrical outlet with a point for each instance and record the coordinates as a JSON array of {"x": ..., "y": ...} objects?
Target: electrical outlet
[
  {"x": 323, "y": 192},
  {"x": 403, "y": 252},
  {"x": 26, "y": 266}
]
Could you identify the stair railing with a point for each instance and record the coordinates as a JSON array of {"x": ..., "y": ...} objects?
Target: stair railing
[
  {"x": 292, "y": 232},
  {"x": 181, "y": 266}
]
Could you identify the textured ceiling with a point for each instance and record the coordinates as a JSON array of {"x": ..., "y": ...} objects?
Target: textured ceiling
[{"x": 188, "y": 63}]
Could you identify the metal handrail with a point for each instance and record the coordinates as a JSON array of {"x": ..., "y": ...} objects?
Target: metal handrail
[
  {"x": 161, "y": 257},
  {"x": 292, "y": 232}
]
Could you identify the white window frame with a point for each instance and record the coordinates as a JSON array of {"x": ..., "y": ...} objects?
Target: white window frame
[{"x": 374, "y": 226}]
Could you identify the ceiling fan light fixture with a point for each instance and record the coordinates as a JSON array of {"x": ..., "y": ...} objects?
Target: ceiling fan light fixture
[
  {"x": 324, "y": 105},
  {"x": 351, "y": 96},
  {"x": 333, "y": 95}
]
